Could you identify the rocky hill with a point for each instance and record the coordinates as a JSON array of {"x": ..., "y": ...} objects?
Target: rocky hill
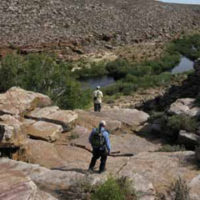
[{"x": 83, "y": 26}]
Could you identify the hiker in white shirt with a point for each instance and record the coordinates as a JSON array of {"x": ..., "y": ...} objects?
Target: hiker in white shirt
[{"x": 97, "y": 98}]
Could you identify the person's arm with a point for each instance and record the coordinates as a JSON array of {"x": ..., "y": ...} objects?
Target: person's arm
[
  {"x": 94, "y": 93},
  {"x": 107, "y": 140},
  {"x": 90, "y": 136},
  {"x": 102, "y": 94}
]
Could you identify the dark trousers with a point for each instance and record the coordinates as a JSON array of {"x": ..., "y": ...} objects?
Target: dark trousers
[
  {"x": 97, "y": 153},
  {"x": 97, "y": 107}
]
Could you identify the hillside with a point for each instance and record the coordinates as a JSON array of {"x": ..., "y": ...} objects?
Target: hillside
[{"x": 91, "y": 24}]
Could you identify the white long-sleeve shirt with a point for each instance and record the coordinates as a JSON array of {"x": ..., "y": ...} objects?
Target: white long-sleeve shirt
[{"x": 99, "y": 95}]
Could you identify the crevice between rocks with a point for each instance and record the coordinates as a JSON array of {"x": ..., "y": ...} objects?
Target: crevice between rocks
[
  {"x": 5, "y": 113},
  {"x": 7, "y": 150},
  {"x": 37, "y": 138},
  {"x": 65, "y": 126},
  {"x": 123, "y": 166}
]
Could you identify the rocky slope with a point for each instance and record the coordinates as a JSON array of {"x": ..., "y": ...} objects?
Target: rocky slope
[
  {"x": 83, "y": 26},
  {"x": 54, "y": 145},
  {"x": 49, "y": 151}
]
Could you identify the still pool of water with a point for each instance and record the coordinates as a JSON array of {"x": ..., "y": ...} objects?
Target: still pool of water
[
  {"x": 184, "y": 66},
  {"x": 194, "y": 2},
  {"x": 93, "y": 82}
]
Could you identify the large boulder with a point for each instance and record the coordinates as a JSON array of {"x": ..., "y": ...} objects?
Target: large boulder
[
  {"x": 43, "y": 177},
  {"x": 184, "y": 106},
  {"x": 149, "y": 172},
  {"x": 115, "y": 118},
  {"x": 64, "y": 179},
  {"x": 130, "y": 117},
  {"x": 17, "y": 101},
  {"x": 42, "y": 130},
  {"x": 194, "y": 186},
  {"x": 65, "y": 118},
  {"x": 15, "y": 185},
  {"x": 43, "y": 153},
  {"x": 91, "y": 120},
  {"x": 190, "y": 140},
  {"x": 161, "y": 168},
  {"x": 11, "y": 130}
]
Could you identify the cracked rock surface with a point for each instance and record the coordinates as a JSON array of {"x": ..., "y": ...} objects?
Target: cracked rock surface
[{"x": 54, "y": 167}]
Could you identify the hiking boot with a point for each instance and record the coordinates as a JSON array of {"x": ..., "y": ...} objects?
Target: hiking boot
[
  {"x": 90, "y": 171},
  {"x": 101, "y": 171}
]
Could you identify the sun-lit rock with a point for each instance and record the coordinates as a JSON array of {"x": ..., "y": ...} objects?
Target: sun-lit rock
[{"x": 17, "y": 101}]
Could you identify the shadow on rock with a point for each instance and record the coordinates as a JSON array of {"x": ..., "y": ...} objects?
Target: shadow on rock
[{"x": 78, "y": 170}]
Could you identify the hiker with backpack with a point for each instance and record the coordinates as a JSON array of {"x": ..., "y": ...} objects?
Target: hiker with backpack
[
  {"x": 97, "y": 98},
  {"x": 99, "y": 139}
]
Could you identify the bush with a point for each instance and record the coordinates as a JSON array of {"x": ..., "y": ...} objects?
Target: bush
[
  {"x": 170, "y": 148},
  {"x": 179, "y": 190},
  {"x": 157, "y": 115},
  {"x": 114, "y": 189},
  {"x": 188, "y": 46},
  {"x": 93, "y": 70},
  {"x": 73, "y": 136},
  {"x": 197, "y": 101},
  {"x": 182, "y": 122},
  {"x": 118, "y": 68},
  {"x": 131, "y": 83},
  {"x": 41, "y": 73}
]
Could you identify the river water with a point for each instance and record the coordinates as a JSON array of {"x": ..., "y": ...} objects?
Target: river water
[
  {"x": 184, "y": 66},
  {"x": 93, "y": 82},
  {"x": 191, "y": 2}
]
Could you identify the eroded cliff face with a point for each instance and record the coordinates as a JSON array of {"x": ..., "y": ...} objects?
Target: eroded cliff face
[{"x": 84, "y": 26}]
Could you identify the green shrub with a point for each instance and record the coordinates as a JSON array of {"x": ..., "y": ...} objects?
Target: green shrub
[
  {"x": 109, "y": 190},
  {"x": 131, "y": 83},
  {"x": 179, "y": 190},
  {"x": 95, "y": 69},
  {"x": 42, "y": 73},
  {"x": 156, "y": 115},
  {"x": 114, "y": 189},
  {"x": 197, "y": 101},
  {"x": 12, "y": 69},
  {"x": 170, "y": 148},
  {"x": 73, "y": 136},
  {"x": 188, "y": 46},
  {"x": 182, "y": 122},
  {"x": 118, "y": 68}
]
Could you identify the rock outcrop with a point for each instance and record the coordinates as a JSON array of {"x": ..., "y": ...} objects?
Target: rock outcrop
[
  {"x": 25, "y": 114},
  {"x": 54, "y": 143},
  {"x": 148, "y": 172},
  {"x": 185, "y": 106},
  {"x": 14, "y": 184},
  {"x": 115, "y": 118},
  {"x": 189, "y": 140},
  {"x": 17, "y": 101},
  {"x": 53, "y": 114}
]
